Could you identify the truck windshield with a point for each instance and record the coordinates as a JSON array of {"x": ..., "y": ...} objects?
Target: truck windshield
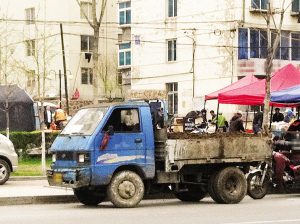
[{"x": 85, "y": 121}]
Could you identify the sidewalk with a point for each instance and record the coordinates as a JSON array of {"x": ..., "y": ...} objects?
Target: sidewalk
[
  {"x": 33, "y": 190},
  {"x": 36, "y": 190}
]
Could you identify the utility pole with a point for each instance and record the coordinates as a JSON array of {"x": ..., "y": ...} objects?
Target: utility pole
[{"x": 64, "y": 65}]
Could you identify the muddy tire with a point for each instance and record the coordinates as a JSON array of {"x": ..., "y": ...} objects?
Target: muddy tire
[
  {"x": 4, "y": 171},
  {"x": 230, "y": 186},
  {"x": 253, "y": 189},
  {"x": 89, "y": 197},
  {"x": 211, "y": 189},
  {"x": 126, "y": 189},
  {"x": 194, "y": 193}
]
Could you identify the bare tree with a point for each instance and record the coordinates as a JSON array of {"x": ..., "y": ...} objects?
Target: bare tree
[
  {"x": 271, "y": 55},
  {"x": 95, "y": 24}
]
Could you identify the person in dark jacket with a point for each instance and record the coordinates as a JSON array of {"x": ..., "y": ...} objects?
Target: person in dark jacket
[
  {"x": 48, "y": 117},
  {"x": 257, "y": 122},
  {"x": 277, "y": 116},
  {"x": 236, "y": 123}
]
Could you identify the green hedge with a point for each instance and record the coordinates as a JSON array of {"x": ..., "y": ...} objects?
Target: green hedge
[{"x": 26, "y": 140}]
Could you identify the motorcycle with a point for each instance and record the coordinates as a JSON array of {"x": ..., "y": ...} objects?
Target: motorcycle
[{"x": 262, "y": 178}]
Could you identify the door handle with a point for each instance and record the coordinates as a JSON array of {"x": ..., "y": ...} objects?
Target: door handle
[{"x": 138, "y": 140}]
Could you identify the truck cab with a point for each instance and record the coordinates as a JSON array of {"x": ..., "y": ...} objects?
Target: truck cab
[{"x": 102, "y": 146}]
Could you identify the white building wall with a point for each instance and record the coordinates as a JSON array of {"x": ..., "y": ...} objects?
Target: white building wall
[
  {"x": 215, "y": 25},
  {"x": 53, "y": 13}
]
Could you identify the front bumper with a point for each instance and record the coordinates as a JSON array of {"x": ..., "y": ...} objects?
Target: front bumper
[{"x": 73, "y": 178}]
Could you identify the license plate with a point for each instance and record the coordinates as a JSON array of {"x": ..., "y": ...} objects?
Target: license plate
[{"x": 57, "y": 178}]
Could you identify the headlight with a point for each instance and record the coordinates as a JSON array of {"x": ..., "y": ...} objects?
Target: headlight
[
  {"x": 81, "y": 158},
  {"x": 10, "y": 146},
  {"x": 53, "y": 157}
]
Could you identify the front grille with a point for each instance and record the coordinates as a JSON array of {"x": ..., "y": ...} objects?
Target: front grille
[{"x": 65, "y": 155}]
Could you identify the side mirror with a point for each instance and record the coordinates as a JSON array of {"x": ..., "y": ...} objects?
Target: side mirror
[{"x": 110, "y": 130}]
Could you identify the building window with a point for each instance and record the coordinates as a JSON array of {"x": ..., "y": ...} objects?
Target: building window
[
  {"x": 259, "y": 4},
  {"x": 258, "y": 44},
  {"x": 295, "y": 46},
  {"x": 172, "y": 50},
  {"x": 30, "y": 16},
  {"x": 172, "y": 8},
  {"x": 295, "y": 5},
  {"x": 87, "y": 43},
  {"x": 31, "y": 78},
  {"x": 124, "y": 54},
  {"x": 253, "y": 44},
  {"x": 30, "y": 46},
  {"x": 86, "y": 9},
  {"x": 87, "y": 76},
  {"x": 172, "y": 89},
  {"x": 125, "y": 13}
]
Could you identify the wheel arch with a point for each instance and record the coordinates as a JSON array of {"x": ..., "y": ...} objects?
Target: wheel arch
[
  {"x": 134, "y": 168},
  {"x": 8, "y": 162}
]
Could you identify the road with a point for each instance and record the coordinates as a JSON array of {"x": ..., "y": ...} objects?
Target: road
[{"x": 272, "y": 209}]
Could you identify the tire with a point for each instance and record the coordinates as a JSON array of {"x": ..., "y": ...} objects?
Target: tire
[
  {"x": 194, "y": 193},
  {"x": 89, "y": 197},
  {"x": 126, "y": 189},
  {"x": 255, "y": 191},
  {"x": 211, "y": 189},
  {"x": 230, "y": 186},
  {"x": 4, "y": 171}
]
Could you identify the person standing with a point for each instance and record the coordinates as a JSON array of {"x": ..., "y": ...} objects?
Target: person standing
[
  {"x": 236, "y": 123},
  {"x": 222, "y": 123},
  {"x": 277, "y": 116},
  {"x": 213, "y": 115},
  {"x": 257, "y": 122},
  {"x": 48, "y": 117}
]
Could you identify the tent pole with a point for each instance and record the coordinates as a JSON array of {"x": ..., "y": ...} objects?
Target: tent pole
[
  {"x": 217, "y": 117},
  {"x": 271, "y": 116},
  {"x": 246, "y": 117}
]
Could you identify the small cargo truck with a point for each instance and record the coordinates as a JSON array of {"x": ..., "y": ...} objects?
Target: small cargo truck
[{"x": 122, "y": 151}]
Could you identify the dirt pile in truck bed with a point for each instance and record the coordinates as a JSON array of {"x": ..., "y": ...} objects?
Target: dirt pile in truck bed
[{"x": 188, "y": 135}]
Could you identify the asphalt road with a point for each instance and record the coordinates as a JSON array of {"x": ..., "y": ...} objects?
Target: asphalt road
[{"x": 272, "y": 209}]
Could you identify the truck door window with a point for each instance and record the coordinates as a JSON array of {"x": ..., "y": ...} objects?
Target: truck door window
[{"x": 124, "y": 120}]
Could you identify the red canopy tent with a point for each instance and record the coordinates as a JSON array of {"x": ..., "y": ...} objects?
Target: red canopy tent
[
  {"x": 238, "y": 84},
  {"x": 254, "y": 94}
]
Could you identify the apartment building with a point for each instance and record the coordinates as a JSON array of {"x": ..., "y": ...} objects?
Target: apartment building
[
  {"x": 31, "y": 47},
  {"x": 192, "y": 48}
]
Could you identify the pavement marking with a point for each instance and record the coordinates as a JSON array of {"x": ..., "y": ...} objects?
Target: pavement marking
[{"x": 257, "y": 222}]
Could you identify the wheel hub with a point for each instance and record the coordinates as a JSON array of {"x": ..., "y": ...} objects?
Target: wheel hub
[
  {"x": 126, "y": 189},
  {"x": 231, "y": 186}
]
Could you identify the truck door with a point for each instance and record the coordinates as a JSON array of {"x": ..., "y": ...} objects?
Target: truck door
[{"x": 126, "y": 145}]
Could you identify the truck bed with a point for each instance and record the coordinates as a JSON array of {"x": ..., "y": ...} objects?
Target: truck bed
[{"x": 222, "y": 148}]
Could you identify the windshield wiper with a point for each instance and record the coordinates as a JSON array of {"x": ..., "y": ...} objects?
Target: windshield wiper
[{"x": 77, "y": 133}]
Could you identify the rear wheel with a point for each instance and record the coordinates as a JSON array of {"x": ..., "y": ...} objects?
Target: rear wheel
[
  {"x": 126, "y": 189},
  {"x": 230, "y": 186},
  {"x": 211, "y": 189},
  {"x": 4, "y": 171},
  {"x": 89, "y": 196},
  {"x": 193, "y": 193},
  {"x": 254, "y": 189}
]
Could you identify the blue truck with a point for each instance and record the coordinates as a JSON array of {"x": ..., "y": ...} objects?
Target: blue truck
[{"x": 121, "y": 151}]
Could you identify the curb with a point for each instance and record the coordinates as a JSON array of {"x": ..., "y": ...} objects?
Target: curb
[
  {"x": 38, "y": 200},
  {"x": 18, "y": 178}
]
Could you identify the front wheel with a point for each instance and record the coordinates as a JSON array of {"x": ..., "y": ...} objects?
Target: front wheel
[
  {"x": 254, "y": 189},
  {"x": 89, "y": 196},
  {"x": 193, "y": 193},
  {"x": 126, "y": 189},
  {"x": 4, "y": 171}
]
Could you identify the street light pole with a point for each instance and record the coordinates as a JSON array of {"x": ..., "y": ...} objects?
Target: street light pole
[{"x": 64, "y": 65}]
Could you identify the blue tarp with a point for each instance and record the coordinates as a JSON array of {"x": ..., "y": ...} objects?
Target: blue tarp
[{"x": 289, "y": 95}]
